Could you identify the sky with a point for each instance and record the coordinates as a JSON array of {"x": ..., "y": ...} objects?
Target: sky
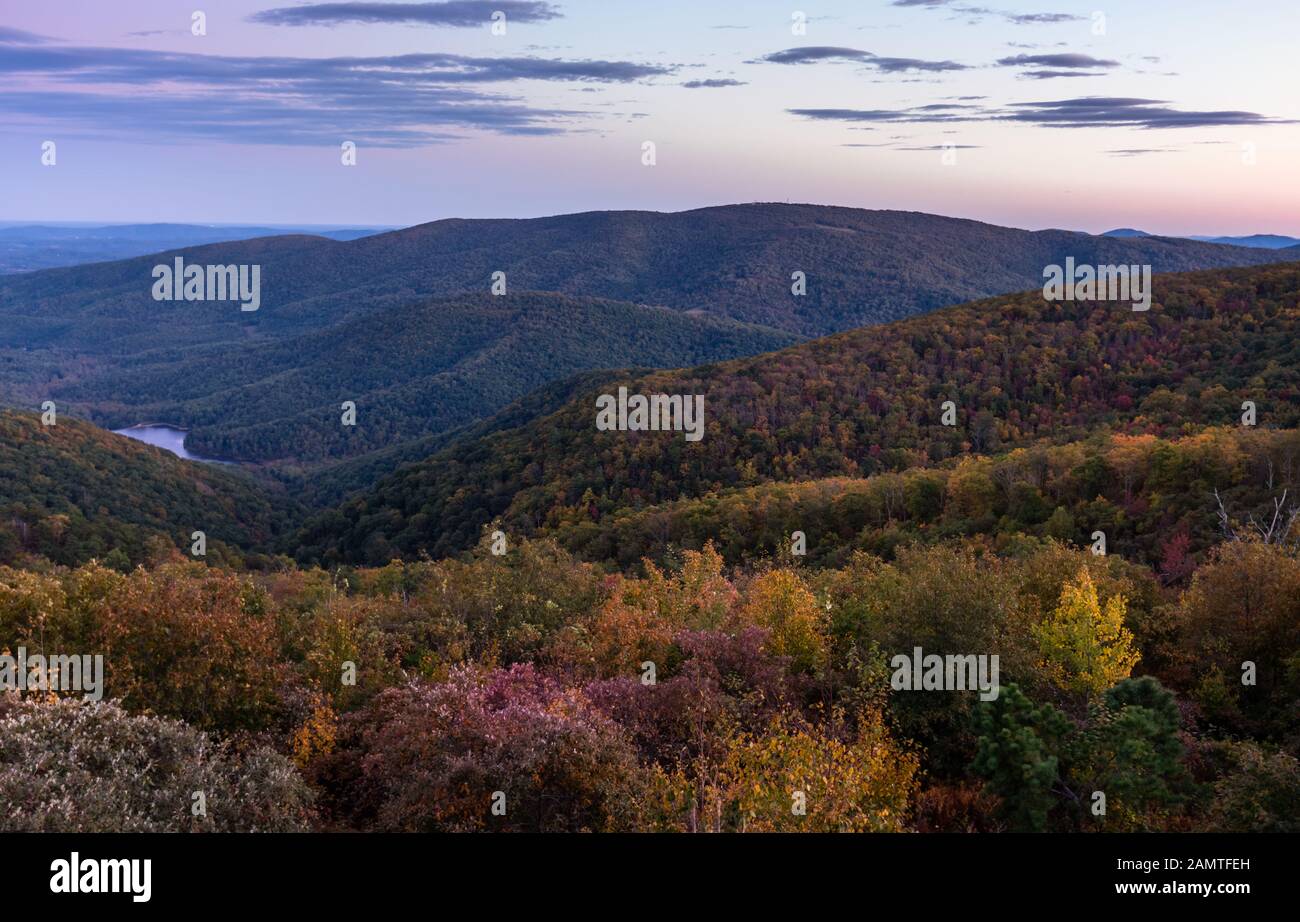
[{"x": 1172, "y": 116}]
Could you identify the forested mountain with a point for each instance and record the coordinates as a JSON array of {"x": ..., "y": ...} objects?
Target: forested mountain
[
  {"x": 401, "y": 323},
  {"x": 1018, "y": 369},
  {"x": 71, "y": 492},
  {"x": 415, "y": 370},
  {"x": 736, "y": 260}
]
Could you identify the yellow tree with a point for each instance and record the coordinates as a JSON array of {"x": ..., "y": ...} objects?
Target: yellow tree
[
  {"x": 640, "y": 618},
  {"x": 780, "y": 602},
  {"x": 798, "y": 777},
  {"x": 1085, "y": 646}
]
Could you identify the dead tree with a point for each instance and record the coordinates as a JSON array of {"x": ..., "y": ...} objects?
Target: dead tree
[{"x": 1279, "y": 528}]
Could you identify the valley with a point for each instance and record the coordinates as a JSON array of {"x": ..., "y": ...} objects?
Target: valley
[{"x": 403, "y": 325}]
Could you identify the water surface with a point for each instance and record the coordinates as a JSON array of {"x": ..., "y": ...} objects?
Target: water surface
[{"x": 168, "y": 438}]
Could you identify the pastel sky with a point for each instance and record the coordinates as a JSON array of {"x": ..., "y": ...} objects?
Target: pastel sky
[{"x": 1173, "y": 116}]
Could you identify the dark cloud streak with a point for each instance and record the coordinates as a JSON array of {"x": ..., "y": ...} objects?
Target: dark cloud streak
[
  {"x": 712, "y": 84},
  {"x": 1084, "y": 112},
  {"x": 397, "y": 101},
  {"x": 1053, "y": 74},
  {"x": 1056, "y": 60},
  {"x": 814, "y": 53}
]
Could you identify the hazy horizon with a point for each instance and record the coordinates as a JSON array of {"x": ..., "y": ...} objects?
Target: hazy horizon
[{"x": 389, "y": 227}]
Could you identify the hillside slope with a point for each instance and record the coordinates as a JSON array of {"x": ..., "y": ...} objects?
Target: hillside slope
[
  {"x": 1153, "y": 498},
  {"x": 1017, "y": 368},
  {"x": 412, "y": 371},
  {"x": 402, "y": 324},
  {"x": 72, "y": 492}
]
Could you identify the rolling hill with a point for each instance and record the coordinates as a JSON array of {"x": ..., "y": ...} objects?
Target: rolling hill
[
  {"x": 72, "y": 492},
  {"x": 412, "y": 371},
  {"x": 1018, "y": 369},
  {"x": 401, "y": 322}
]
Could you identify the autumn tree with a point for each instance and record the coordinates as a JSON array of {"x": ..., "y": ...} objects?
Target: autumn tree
[
  {"x": 1241, "y": 629},
  {"x": 1084, "y": 644},
  {"x": 506, "y": 749},
  {"x": 780, "y": 602},
  {"x": 638, "y": 621},
  {"x": 797, "y": 777}
]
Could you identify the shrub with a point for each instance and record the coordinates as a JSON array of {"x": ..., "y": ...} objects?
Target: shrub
[
  {"x": 433, "y": 757},
  {"x": 91, "y": 767}
]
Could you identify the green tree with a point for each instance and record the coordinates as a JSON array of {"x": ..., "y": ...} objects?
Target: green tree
[
  {"x": 1130, "y": 751},
  {"x": 1060, "y": 525},
  {"x": 1019, "y": 755}
]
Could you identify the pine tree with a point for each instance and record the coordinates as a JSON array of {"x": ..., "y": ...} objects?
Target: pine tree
[{"x": 1018, "y": 755}]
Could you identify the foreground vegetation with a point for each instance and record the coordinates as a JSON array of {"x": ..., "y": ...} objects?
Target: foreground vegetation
[{"x": 695, "y": 697}]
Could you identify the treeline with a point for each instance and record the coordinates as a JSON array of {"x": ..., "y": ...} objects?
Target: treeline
[
  {"x": 1017, "y": 370},
  {"x": 531, "y": 691},
  {"x": 1155, "y": 500}
]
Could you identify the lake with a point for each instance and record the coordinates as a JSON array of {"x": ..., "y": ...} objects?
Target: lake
[{"x": 168, "y": 438}]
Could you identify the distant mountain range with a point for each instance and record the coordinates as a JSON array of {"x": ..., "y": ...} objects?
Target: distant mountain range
[
  {"x": 1259, "y": 241},
  {"x": 28, "y": 247},
  {"x": 403, "y": 324}
]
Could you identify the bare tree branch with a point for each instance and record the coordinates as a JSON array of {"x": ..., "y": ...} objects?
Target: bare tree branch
[
  {"x": 1280, "y": 526},
  {"x": 1224, "y": 522}
]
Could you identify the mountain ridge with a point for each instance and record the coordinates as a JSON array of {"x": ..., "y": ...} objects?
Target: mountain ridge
[{"x": 1017, "y": 368}]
